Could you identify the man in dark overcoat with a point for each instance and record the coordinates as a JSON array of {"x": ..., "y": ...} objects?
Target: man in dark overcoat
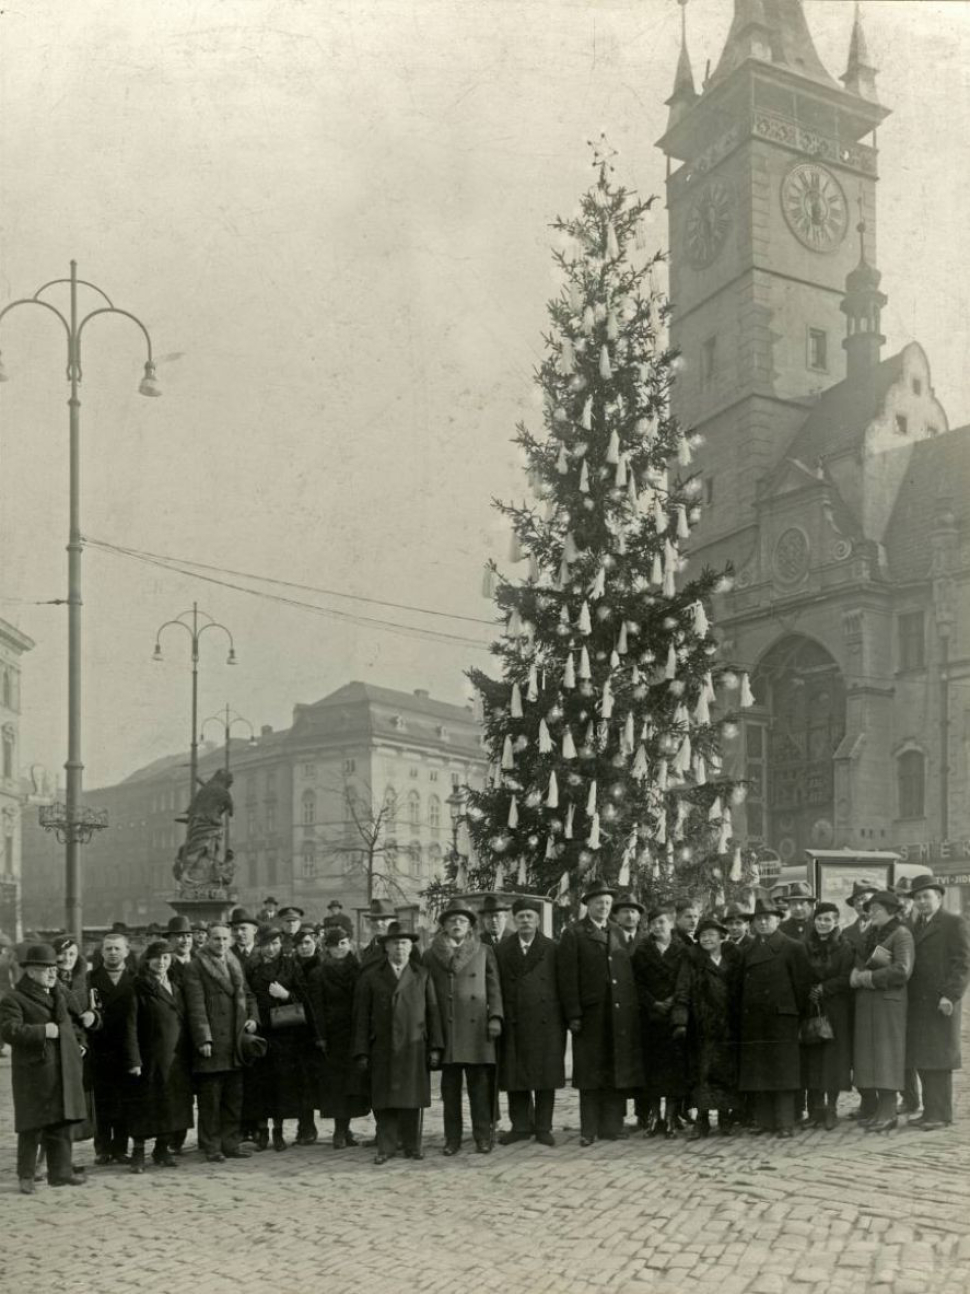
[
  {"x": 220, "y": 1007},
  {"x": 493, "y": 916},
  {"x": 656, "y": 967},
  {"x": 179, "y": 935},
  {"x": 397, "y": 1037},
  {"x": 774, "y": 983},
  {"x": 379, "y": 916},
  {"x": 469, "y": 995},
  {"x": 801, "y": 907},
  {"x": 855, "y": 932},
  {"x": 627, "y": 914},
  {"x": 244, "y": 930},
  {"x": 599, "y": 1001},
  {"x": 936, "y": 987},
  {"x": 113, "y": 985},
  {"x": 48, "y": 1091},
  {"x": 531, "y": 1062},
  {"x": 737, "y": 920}
]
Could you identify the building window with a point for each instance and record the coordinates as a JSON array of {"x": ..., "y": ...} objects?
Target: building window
[
  {"x": 7, "y": 690},
  {"x": 350, "y": 766},
  {"x": 434, "y": 813},
  {"x": 309, "y": 808},
  {"x": 902, "y": 425},
  {"x": 433, "y": 775},
  {"x": 912, "y": 641},
  {"x": 414, "y": 772},
  {"x": 8, "y": 752},
  {"x": 390, "y": 855},
  {"x": 272, "y": 868},
  {"x": 270, "y": 819},
  {"x": 456, "y": 779},
  {"x": 390, "y": 808},
  {"x": 911, "y": 778},
  {"x": 414, "y": 810},
  {"x": 818, "y": 350},
  {"x": 271, "y": 781},
  {"x": 435, "y": 861},
  {"x": 709, "y": 490},
  {"x": 414, "y": 858},
  {"x": 309, "y": 862},
  {"x": 309, "y": 770},
  {"x": 757, "y": 775},
  {"x": 708, "y": 361}
]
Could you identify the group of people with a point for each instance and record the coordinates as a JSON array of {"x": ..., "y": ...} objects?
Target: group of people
[{"x": 753, "y": 1019}]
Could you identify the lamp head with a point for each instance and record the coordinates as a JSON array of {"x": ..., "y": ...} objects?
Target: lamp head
[
  {"x": 149, "y": 383},
  {"x": 157, "y": 653},
  {"x": 231, "y": 658}
]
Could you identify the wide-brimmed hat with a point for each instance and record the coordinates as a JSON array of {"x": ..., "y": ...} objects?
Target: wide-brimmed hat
[
  {"x": 39, "y": 955},
  {"x": 822, "y": 908},
  {"x": 627, "y": 901},
  {"x": 380, "y": 909},
  {"x": 709, "y": 923},
  {"x": 252, "y": 1048},
  {"x": 763, "y": 909},
  {"x": 266, "y": 935},
  {"x": 240, "y": 917},
  {"x": 735, "y": 911},
  {"x": 860, "y": 888},
  {"x": 334, "y": 903},
  {"x": 494, "y": 903},
  {"x": 926, "y": 882},
  {"x": 456, "y": 909},
  {"x": 179, "y": 925},
  {"x": 800, "y": 890},
  {"x": 525, "y": 904},
  {"x": 885, "y": 899},
  {"x": 396, "y": 931},
  {"x": 596, "y": 888}
]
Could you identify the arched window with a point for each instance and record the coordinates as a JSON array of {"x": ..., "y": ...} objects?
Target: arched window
[
  {"x": 390, "y": 808},
  {"x": 911, "y": 782},
  {"x": 309, "y": 808},
  {"x": 414, "y": 858},
  {"x": 309, "y": 861},
  {"x": 414, "y": 810},
  {"x": 434, "y": 813}
]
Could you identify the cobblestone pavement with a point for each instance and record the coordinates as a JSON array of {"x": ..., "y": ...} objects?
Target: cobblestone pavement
[{"x": 824, "y": 1213}]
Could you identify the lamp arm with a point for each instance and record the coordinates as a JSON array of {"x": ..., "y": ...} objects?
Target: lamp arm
[{"x": 111, "y": 310}]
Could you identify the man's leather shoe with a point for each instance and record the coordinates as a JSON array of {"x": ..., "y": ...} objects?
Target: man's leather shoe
[
  {"x": 545, "y": 1139},
  {"x": 785, "y": 1134},
  {"x": 215, "y": 1157},
  {"x": 238, "y": 1154},
  {"x": 261, "y": 1139},
  {"x": 102, "y": 1161},
  {"x": 483, "y": 1147},
  {"x": 510, "y": 1138},
  {"x": 586, "y": 1141},
  {"x": 74, "y": 1180},
  {"x": 380, "y": 1159},
  {"x": 414, "y": 1154},
  {"x": 451, "y": 1149},
  {"x": 932, "y": 1125},
  {"x": 27, "y": 1186}
]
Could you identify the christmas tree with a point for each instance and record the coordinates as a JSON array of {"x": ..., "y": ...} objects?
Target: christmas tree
[{"x": 604, "y": 728}]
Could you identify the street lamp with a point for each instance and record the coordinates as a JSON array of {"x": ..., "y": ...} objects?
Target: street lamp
[
  {"x": 456, "y": 807},
  {"x": 228, "y": 720},
  {"x": 74, "y": 826},
  {"x": 195, "y": 632}
]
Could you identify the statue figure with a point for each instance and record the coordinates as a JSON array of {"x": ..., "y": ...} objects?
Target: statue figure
[{"x": 200, "y": 862}]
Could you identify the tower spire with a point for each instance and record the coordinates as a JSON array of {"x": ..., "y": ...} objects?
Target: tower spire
[
  {"x": 684, "y": 94},
  {"x": 859, "y": 76},
  {"x": 862, "y": 306}
]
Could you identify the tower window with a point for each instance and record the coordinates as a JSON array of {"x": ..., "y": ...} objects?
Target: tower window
[
  {"x": 902, "y": 424},
  {"x": 708, "y": 490},
  {"x": 911, "y": 777},
  {"x": 708, "y": 361},
  {"x": 818, "y": 350},
  {"x": 912, "y": 641}
]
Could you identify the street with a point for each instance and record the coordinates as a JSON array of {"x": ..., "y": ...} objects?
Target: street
[{"x": 827, "y": 1212}]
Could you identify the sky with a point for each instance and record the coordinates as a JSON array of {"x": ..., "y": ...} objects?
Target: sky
[{"x": 337, "y": 217}]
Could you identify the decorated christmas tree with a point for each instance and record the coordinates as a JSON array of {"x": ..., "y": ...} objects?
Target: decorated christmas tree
[{"x": 605, "y": 724}]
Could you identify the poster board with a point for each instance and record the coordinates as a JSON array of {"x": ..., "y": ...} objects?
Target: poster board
[{"x": 835, "y": 871}]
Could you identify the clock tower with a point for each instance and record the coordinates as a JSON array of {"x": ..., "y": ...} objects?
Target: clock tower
[{"x": 771, "y": 169}]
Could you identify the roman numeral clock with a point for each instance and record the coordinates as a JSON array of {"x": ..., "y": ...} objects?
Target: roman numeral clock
[{"x": 815, "y": 207}]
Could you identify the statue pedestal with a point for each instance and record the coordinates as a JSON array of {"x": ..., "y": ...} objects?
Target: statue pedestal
[{"x": 206, "y": 910}]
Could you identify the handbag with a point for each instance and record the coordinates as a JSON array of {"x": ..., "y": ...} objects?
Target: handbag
[
  {"x": 287, "y": 1016},
  {"x": 816, "y": 1029}
]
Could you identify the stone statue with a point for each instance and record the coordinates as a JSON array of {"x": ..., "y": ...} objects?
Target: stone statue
[{"x": 201, "y": 866}]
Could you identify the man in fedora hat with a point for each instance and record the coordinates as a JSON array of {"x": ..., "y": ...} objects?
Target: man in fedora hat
[
  {"x": 397, "y": 1038},
  {"x": 599, "y": 1003},
  {"x": 469, "y": 994},
  {"x": 774, "y": 982},
  {"x": 378, "y": 916},
  {"x": 903, "y": 892},
  {"x": 737, "y": 920},
  {"x": 178, "y": 932},
  {"x": 941, "y": 973},
  {"x": 337, "y": 917},
  {"x": 626, "y": 914},
  {"x": 801, "y": 906},
  {"x": 244, "y": 928},
  {"x": 778, "y": 897},
  {"x": 36, "y": 1020},
  {"x": 493, "y": 915},
  {"x": 200, "y": 932},
  {"x": 855, "y": 932},
  {"x": 267, "y": 913}
]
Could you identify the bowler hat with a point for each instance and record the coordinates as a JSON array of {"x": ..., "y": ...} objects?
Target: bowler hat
[
  {"x": 334, "y": 903},
  {"x": 396, "y": 931},
  {"x": 524, "y": 904},
  {"x": 627, "y": 901},
  {"x": 252, "y": 1048},
  {"x": 457, "y": 909},
  {"x": 733, "y": 911},
  {"x": 240, "y": 917},
  {"x": 39, "y": 955},
  {"x": 822, "y": 908},
  {"x": 492, "y": 903},
  {"x": 333, "y": 935},
  {"x": 799, "y": 890},
  {"x": 179, "y": 925},
  {"x": 266, "y": 935},
  {"x": 763, "y": 909},
  {"x": 885, "y": 899},
  {"x": 860, "y": 890},
  {"x": 156, "y": 948},
  {"x": 926, "y": 882},
  {"x": 709, "y": 923},
  {"x": 380, "y": 909},
  {"x": 596, "y": 888},
  {"x": 119, "y": 927},
  {"x": 269, "y": 899}
]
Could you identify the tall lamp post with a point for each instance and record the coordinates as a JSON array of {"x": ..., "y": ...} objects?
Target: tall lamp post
[
  {"x": 195, "y": 630},
  {"x": 456, "y": 807},
  {"x": 73, "y": 824},
  {"x": 228, "y": 720}
]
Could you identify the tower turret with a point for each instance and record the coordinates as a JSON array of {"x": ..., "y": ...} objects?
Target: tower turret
[
  {"x": 859, "y": 76},
  {"x": 684, "y": 95},
  {"x": 862, "y": 306}
]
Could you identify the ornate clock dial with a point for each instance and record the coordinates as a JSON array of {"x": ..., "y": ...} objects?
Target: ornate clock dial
[
  {"x": 814, "y": 206},
  {"x": 708, "y": 222}
]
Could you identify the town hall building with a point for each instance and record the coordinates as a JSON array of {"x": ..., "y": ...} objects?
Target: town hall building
[{"x": 834, "y": 485}]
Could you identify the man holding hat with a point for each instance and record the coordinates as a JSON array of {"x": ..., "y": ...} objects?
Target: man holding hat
[
  {"x": 626, "y": 914},
  {"x": 397, "y": 1037},
  {"x": 801, "y": 906},
  {"x": 469, "y": 994},
  {"x": 337, "y": 918},
  {"x": 494, "y": 915},
  {"x": 244, "y": 928},
  {"x": 774, "y": 984},
  {"x": 48, "y": 1091},
  {"x": 599, "y": 1002},
  {"x": 532, "y": 1051},
  {"x": 940, "y": 976}
]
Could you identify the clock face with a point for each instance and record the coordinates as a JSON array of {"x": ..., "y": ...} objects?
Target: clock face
[
  {"x": 814, "y": 206},
  {"x": 708, "y": 222}
]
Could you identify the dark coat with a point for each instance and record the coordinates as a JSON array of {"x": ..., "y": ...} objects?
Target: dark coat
[
  {"x": 942, "y": 969},
  {"x": 656, "y": 972},
  {"x": 705, "y": 1001},
  {"x": 275, "y": 1086},
  {"x": 219, "y": 1003},
  {"x": 533, "y": 1044},
  {"x": 396, "y": 1025},
  {"x": 879, "y": 1045},
  {"x": 468, "y": 992},
  {"x": 774, "y": 980},
  {"x": 46, "y": 1072},
  {"x": 109, "y": 1043},
  {"x": 796, "y": 928},
  {"x": 827, "y": 1066},
  {"x": 158, "y": 1043},
  {"x": 854, "y": 935},
  {"x": 596, "y": 987},
  {"x": 330, "y": 996}
]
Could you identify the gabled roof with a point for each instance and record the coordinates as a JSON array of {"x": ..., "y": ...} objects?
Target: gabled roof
[
  {"x": 843, "y": 412},
  {"x": 938, "y": 478}
]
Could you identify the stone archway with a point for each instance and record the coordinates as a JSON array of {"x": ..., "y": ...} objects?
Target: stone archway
[{"x": 801, "y": 692}]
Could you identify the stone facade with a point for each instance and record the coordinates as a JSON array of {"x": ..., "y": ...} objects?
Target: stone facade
[{"x": 13, "y": 644}]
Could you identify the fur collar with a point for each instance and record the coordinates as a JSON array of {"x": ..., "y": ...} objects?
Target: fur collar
[
  {"x": 452, "y": 959},
  {"x": 227, "y": 974}
]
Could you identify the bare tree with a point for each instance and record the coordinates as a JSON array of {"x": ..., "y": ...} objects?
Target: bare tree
[{"x": 363, "y": 840}]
